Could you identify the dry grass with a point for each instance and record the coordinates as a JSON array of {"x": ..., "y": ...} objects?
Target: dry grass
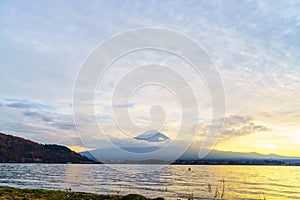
[{"x": 41, "y": 194}]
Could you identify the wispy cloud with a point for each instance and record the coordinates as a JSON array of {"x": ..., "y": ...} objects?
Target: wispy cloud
[
  {"x": 129, "y": 105},
  {"x": 37, "y": 115},
  {"x": 20, "y": 105},
  {"x": 37, "y": 121},
  {"x": 241, "y": 125}
]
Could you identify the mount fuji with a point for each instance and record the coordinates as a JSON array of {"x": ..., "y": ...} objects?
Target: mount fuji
[{"x": 152, "y": 136}]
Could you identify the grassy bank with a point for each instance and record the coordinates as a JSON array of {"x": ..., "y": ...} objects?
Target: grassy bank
[{"x": 24, "y": 194}]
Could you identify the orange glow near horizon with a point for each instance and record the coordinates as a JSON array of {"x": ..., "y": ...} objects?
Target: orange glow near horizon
[
  {"x": 78, "y": 149},
  {"x": 280, "y": 143}
]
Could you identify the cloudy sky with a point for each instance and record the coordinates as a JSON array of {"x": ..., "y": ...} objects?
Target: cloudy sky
[{"x": 254, "y": 45}]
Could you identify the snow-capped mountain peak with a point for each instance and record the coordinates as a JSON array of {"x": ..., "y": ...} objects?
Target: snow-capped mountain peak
[{"x": 152, "y": 136}]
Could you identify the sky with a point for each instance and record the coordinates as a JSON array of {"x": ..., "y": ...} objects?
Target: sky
[{"x": 254, "y": 45}]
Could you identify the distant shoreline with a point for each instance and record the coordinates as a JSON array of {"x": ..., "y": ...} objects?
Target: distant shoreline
[{"x": 187, "y": 164}]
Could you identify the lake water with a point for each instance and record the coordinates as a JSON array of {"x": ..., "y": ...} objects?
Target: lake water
[{"x": 171, "y": 182}]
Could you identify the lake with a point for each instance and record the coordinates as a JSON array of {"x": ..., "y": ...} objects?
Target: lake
[{"x": 171, "y": 182}]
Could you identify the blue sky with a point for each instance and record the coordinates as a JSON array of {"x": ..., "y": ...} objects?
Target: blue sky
[{"x": 254, "y": 44}]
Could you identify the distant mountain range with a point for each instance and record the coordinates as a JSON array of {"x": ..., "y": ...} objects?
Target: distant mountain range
[
  {"x": 152, "y": 138},
  {"x": 113, "y": 154},
  {"x": 16, "y": 149},
  {"x": 229, "y": 155}
]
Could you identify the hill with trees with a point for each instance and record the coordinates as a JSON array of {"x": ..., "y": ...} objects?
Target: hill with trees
[{"x": 16, "y": 149}]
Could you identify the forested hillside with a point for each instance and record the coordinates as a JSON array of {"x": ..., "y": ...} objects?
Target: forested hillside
[{"x": 16, "y": 149}]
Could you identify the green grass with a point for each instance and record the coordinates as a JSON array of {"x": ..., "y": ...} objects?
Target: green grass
[{"x": 24, "y": 194}]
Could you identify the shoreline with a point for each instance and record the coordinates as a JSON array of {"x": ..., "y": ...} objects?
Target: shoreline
[
  {"x": 174, "y": 164},
  {"x": 7, "y": 192}
]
